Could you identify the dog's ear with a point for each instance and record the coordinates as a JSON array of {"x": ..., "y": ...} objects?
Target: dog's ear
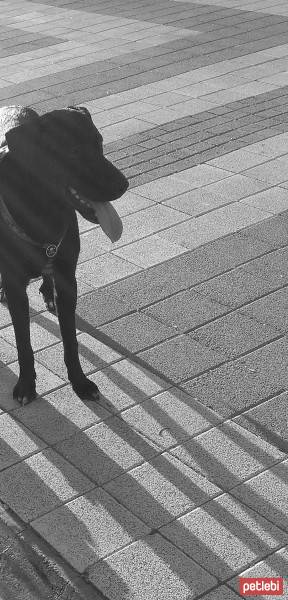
[{"x": 24, "y": 139}]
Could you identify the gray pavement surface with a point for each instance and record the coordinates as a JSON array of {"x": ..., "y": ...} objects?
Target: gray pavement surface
[{"x": 175, "y": 483}]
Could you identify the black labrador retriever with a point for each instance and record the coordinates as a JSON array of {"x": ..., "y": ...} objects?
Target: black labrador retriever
[{"x": 53, "y": 165}]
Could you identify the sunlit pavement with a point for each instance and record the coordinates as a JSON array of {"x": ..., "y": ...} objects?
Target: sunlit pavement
[{"x": 176, "y": 482}]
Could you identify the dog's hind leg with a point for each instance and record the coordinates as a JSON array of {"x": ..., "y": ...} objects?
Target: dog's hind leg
[
  {"x": 17, "y": 299},
  {"x": 47, "y": 290}
]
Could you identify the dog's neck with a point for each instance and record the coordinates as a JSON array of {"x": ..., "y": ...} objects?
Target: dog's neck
[{"x": 41, "y": 216}]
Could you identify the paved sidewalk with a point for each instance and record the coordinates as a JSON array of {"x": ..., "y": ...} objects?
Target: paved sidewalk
[{"x": 176, "y": 482}]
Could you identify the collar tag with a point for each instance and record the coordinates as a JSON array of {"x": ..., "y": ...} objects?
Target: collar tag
[{"x": 51, "y": 250}]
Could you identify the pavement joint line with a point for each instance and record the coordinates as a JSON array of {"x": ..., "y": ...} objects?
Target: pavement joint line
[{"x": 246, "y": 134}]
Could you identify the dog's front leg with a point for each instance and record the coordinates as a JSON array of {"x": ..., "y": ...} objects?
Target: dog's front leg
[
  {"x": 17, "y": 299},
  {"x": 66, "y": 299}
]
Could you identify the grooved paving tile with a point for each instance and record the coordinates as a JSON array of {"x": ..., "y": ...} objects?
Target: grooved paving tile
[
  {"x": 151, "y": 561},
  {"x": 78, "y": 530},
  {"x": 225, "y": 535}
]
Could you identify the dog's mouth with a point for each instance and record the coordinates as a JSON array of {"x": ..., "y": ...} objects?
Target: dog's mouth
[
  {"x": 83, "y": 205},
  {"x": 102, "y": 213}
]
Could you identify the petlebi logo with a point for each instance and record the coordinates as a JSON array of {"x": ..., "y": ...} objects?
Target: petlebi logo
[{"x": 261, "y": 586}]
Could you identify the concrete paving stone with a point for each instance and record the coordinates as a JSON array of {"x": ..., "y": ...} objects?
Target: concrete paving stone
[
  {"x": 273, "y": 231},
  {"x": 94, "y": 355},
  {"x": 59, "y": 415},
  {"x": 169, "y": 417},
  {"x": 161, "y": 490},
  {"x": 243, "y": 383},
  {"x": 149, "y": 251},
  {"x": 127, "y": 383},
  {"x": 189, "y": 203},
  {"x": 141, "y": 224},
  {"x": 78, "y": 530},
  {"x": 163, "y": 189},
  {"x": 278, "y": 145},
  {"x": 213, "y": 225},
  {"x": 189, "y": 269},
  {"x": 268, "y": 420},
  {"x": 224, "y": 535},
  {"x": 186, "y": 310},
  {"x": 221, "y": 593},
  {"x": 44, "y": 330},
  {"x": 45, "y": 379},
  {"x": 100, "y": 307},
  {"x": 234, "y": 334},
  {"x": 267, "y": 493},
  {"x": 89, "y": 248},
  {"x": 17, "y": 442},
  {"x": 104, "y": 269},
  {"x": 7, "y": 382},
  {"x": 237, "y": 161},
  {"x": 5, "y": 318},
  {"x": 183, "y": 577},
  {"x": 271, "y": 309},
  {"x": 273, "y": 200},
  {"x": 180, "y": 358},
  {"x": 107, "y": 450},
  {"x": 236, "y": 288},
  {"x": 202, "y": 175},
  {"x": 217, "y": 194},
  {"x": 130, "y": 203},
  {"x": 8, "y": 353},
  {"x": 137, "y": 331},
  {"x": 40, "y": 483},
  {"x": 273, "y": 171},
  {"x": 272, "y": 269},
  {"x": 227, "y": 454},
  {"x": 274, "y": 565}
]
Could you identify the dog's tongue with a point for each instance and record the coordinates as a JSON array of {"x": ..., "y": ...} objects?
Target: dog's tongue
[{"x": 109, "y": 220}]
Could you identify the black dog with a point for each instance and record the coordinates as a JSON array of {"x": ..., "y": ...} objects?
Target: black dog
[{"x": 54, "y": 164}]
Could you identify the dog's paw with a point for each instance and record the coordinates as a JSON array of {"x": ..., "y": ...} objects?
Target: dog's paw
[
  {"x": 86, "y": 390},
  {"x": 24, "y": 391}
]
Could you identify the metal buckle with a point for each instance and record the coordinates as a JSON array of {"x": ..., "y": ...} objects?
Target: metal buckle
[{"x": 51, "y": 251}]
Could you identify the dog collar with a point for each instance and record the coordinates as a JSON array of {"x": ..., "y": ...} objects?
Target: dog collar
[{"x": 51, "y": 249}]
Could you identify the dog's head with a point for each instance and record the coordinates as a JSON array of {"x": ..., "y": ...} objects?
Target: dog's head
[{"x": 63, "y": 150}]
